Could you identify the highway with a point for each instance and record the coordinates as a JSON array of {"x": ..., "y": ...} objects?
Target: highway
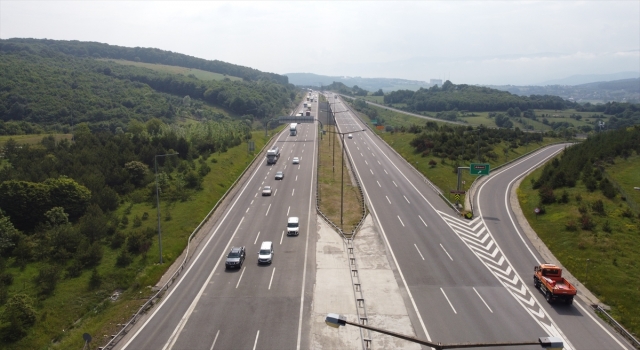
[
  {"x": 463, "y": 281},
  {"x": 256, "y": 306}
]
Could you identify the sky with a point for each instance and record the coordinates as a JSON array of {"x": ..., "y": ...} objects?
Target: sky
[{"x": 470, "y": 42}]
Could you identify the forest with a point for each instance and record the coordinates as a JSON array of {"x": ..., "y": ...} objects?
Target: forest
[
  {"x": 84, "y": 49},
  {"x": 46, "y": 89}
]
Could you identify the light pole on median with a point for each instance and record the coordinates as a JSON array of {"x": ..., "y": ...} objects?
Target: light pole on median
[
  {"x": 158, "y": 199},
  {"x": 335, "y": 321}
]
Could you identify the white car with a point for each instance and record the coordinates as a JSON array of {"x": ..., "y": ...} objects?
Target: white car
[
  {"x": 266, "y": 191},
  {"x": 296, "y": 160},
  {"x": 350, "y": 136}
]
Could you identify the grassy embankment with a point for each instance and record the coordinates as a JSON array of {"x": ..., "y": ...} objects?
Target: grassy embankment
[
  {"x": 329, "y": 180},
  {"x": 200, "y": 74},
  {"x": 605, "y": 259},
  {"x": 74, "y": 309}
]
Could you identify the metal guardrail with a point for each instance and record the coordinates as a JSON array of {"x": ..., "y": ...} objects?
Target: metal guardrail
[
  {"x": 625, "y": 333},
  {"x": 149, "y": 303}
]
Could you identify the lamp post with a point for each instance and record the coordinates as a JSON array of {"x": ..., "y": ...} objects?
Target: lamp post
[
  {"x": 335, "y": 321},
  {"x": 158, "y": 199},
  {"x": 333, "y": 148},
  {"x": 342, "y": 173}
]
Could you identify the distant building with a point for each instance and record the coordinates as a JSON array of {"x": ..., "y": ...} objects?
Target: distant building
[{"x": 436, "y": 82}]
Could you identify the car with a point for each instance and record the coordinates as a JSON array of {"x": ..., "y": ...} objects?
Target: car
[
  {"x": 293, "y": 226},
  {"x": 279, "y": 175},
  {"x": 266, "y": 191},
  {"x": 265, "y": 255},
  {"x": 350, "y": 136},
  {"x": 296, "y": 160},
  {"x": 235, "y": 258}
]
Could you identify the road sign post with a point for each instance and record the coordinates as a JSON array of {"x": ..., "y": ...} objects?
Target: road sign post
[{"x": 479, "y": 169}]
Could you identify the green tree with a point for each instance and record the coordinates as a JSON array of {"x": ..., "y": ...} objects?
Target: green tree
[
  {"x": 47, "y": 279},
  {"x": 93, "y": 224},
  {"x": 8, "y": 234},
  {"x": 137, "y": 171},
  {"x": 18, "y": 316},
  {"x": 68, "y": 194},
  {"x": 25, "y": 202}
]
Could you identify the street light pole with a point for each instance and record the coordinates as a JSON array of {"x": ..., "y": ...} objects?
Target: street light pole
[{"x": 158, "y": 199}]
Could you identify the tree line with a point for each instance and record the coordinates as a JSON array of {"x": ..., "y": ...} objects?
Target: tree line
[{"x": 85, "y": 49}]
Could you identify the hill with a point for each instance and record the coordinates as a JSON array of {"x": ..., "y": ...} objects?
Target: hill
[
  {"x": 370, "y": 84},
  {"x": 591, "y": 78}
]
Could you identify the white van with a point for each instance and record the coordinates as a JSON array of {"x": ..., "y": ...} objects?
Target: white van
[
  {"x": 265, "y": 255},
  {"x": 293, "y": 224}
]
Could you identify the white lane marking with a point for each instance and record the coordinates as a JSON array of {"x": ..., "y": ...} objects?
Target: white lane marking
[
  {"x": 373, "y": 154},
  {"x": 262, "y": 183},
  {"x": 256, "y": 195},
  {"x": 379, "y": 184},
  {"x": 361, "y": 155},
  {"x": 358, "y": 148},
  {"x": 365, "y": 162},
  {"x": 296, "y": 177},
  {"x": 445, "y": 295},
  {"x": 268, "y": 210},
  {"x": 371, "y": 171},
  {"x": 183, "y": 321},
  {"x": 394, "y": 183},
  {"x": 441, "y": 246},
  {"x": 240, "y": 279},
  {"x": 246, "y": 211},
  {"x": 294, "y": 191},
  {"x": 298, "y": 167},
  {"x": 272, "y": 273},
  {"x": 425, "y": 224},
  {"x": 282, "y": 237},
  {"x": 256, "y": 241},
  {"x": 214, "y": 340},
  {"x": 288, "y": 210},
  {"x": 388, "y": 199},
  {"x": 418, "y": 251},
  {"x": 289, "y": 157},
  {"x": 385, "y": 171},
  {"x": 256, "y": 342},
  {"x": 369, "y": 148},
  {"x": 285, "y": 168},
  {"x": 479, "y": 296},
  {"x": 268, "y": 172},
  {"x": 401, "y": 221},
  {"x": 302, "y": 151},
  {"x": 601, "y": 326},
  {"x": 379, "y": 162},
  {"x": 275, "y": 192},
  {"x": 405, "y": 198},
  {"x": 252, "y": 200}
]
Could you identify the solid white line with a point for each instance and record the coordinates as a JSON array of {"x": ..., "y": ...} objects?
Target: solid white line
[
  {"x": 385, "y": 170},
  {"x": 446, "y": 252},
  {"x": 273, "y": 273},
  {"x": 601, "y": 326},
  {"x": 388, "y": 199},
  {"x": 401, "y": 221},
  {"x": 281, "y": 237},
  {"x": 394, "y": 183},
  {"x": 240, "y": 279},
  {"x": 183, "y": 321},
  {"x": 379, "y": 184},
  {"x": 425, "y": 224},
  {"x": 268, "y": 210},
  {"x": 479, "y": 296},
  {"x": 214, "y": 340},
  {"x": 256, "y": 241},
  {"x": 405, "y": 198},
  {"x": 256, "y": 342},
  {"x": 294, "y": 191},
  {"x": 452, "y": 308},
  {"x": 288, "y": 210},
  {"x": 418, "y": 251}
]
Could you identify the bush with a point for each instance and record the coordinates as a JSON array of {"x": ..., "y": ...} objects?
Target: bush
[
  {"x": 598, "y": 207},
  {"x": 578, "y": 198},
  {"x": 606, "y": 227},
  {"x": 124, "y": 258},
  {"x": 137, "y": 222},
  {"x": 47, "y": 279},
  {"x": 95, "y": 281},
  {"x": 546, "y": 195},
  {"x": 18, "y": 316},
  {"x": 607, "y": 188},
  {"x": 145, "y": 216},
  {"x": 587, "y": 223},
  {"x": 571, "y": 226},
  {"x": 117, "y": 240},
  {"x": 74, "y": 269},
  {"x": 564, "y": 198}
]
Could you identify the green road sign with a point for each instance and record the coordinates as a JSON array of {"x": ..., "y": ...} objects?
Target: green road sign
[{"x": 479, "y": 169}]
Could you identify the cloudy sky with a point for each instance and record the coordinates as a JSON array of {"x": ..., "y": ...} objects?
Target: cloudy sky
[{"x": 473, "y": 42}]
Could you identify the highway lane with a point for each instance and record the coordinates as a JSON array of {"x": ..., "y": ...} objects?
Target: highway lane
[
  {"x": 584, "y": 329},
  {"x": 447, "y": 287},
  {"x": 258, "y": 307}
]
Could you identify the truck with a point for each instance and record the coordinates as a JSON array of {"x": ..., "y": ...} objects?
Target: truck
[
  {"x": 548, "y": 279},
  {"x": 293, "y": 129},
  {"x": 272, "y": 155}
]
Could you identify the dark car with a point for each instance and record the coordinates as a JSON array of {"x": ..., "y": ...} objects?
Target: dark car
[
  {"x": 235, "y": 258},
  {"x": 279, "y": 175}
]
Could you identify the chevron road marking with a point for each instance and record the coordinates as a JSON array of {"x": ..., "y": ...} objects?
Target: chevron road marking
[{"x": 479, "y": 240}]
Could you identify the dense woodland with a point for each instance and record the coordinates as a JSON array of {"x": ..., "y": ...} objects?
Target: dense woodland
[{"x": 47, "y": 89}]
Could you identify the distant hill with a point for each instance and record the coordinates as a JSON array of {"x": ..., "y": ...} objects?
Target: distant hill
[
  {"x": 369, "y": 84},
  {"x": 591, "y": 78}
]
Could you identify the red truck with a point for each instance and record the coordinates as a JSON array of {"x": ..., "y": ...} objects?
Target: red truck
[{"x": 548, "y": 278}]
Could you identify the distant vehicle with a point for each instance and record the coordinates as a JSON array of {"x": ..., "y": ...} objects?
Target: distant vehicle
[
  {"x": 300, "y": 114},
  {"x": 548, "y": 278},
  {"x": 273, "y": 155},
  {"x": 266, "y": 191},
  {"x": 235, "y": 258},
  {"x": 293, "y": 224},
  {"x": 279, "y": 175},
  {"x": 308, "y": 113},
  {"x": 293, "y": 129},
  {"x": 350, "y": 136},
  {"x": 265, "y": 255},
  {"x": 296, "y": 160}
]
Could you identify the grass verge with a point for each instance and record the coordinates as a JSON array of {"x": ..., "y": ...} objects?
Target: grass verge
[
  {"x": 329, "y": 181},
  {"x": 605, "y": 258}
]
